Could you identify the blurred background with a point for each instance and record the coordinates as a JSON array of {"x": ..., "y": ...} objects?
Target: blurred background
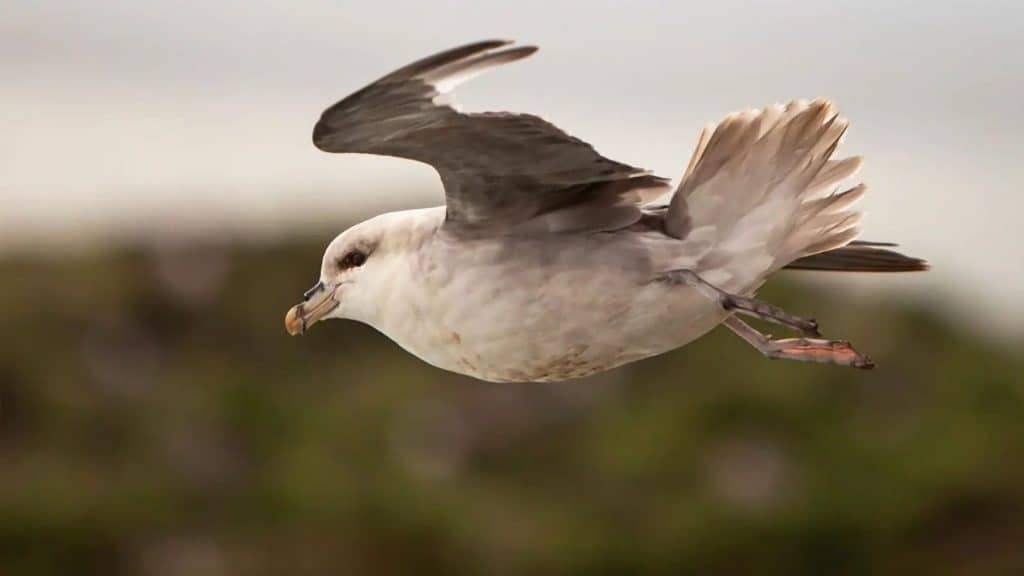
[{"x": 163, "y": 207}]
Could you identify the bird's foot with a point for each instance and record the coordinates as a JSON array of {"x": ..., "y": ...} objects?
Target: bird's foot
[{"x": 838, "y": 352}]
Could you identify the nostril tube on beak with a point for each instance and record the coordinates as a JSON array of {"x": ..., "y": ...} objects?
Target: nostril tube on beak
[{"x": 309, "y": 293}]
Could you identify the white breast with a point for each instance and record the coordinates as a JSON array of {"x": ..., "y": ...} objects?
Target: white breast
[{"x": 495, "y": 312}]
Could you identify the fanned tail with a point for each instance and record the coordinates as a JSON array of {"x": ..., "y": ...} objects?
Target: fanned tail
[{"x": 762, "y": 192}]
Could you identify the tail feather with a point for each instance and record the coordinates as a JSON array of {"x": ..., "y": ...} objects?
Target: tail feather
[
  {"x": 822, "y": 210},
  {"x": 762, "y": 192},
  {"x": 860, "y": 257}
]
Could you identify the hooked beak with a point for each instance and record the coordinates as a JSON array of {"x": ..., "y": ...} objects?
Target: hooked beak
[{"x": 316, "y": 303}]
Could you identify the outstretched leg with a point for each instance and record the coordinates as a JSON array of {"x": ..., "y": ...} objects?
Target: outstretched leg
[
  {"x": 814, "y": 349},
  {"x": 748, "y": 306},
  {"x": 804, "y": 349}
]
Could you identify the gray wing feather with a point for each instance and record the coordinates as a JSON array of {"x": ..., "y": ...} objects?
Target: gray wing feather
[{"x": 498, "y": 168}]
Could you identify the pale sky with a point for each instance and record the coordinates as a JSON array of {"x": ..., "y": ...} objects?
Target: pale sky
[{"x": 122, "y": 119}]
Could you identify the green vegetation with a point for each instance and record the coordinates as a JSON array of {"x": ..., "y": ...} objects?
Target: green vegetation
[{"x": 156, "y": 419}]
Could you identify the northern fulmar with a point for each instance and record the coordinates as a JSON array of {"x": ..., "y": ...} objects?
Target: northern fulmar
[{"x": 549, "y": 261}]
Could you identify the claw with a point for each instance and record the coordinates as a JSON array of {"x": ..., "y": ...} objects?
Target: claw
[{"x": 866, "y": 363}]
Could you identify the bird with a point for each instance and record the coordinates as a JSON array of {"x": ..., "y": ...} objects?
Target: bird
[{"x": 551, "y": 262}]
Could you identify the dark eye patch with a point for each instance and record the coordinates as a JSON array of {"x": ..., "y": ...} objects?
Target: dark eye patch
[{"x": 353, "y": 259}]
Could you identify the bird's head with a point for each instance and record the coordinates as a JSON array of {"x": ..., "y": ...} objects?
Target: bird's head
[
  {"x": 347, "y": 273},
  {"x": 357, "y": 270}
]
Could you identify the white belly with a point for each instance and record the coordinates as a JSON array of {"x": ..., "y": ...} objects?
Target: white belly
[{"x": 501, "y": 320}]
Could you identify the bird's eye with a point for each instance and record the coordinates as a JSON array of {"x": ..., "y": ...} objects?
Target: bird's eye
[{"x": 353, "y": 259}]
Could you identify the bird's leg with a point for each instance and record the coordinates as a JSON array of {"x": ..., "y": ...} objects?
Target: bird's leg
[
  {"x": 743, "y": 305},
  {"x": 803, "y": 349},
  {"x": 814, "y": 349}
]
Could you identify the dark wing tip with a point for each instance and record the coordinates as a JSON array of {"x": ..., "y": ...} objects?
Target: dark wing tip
[
  {"x": 489, "y": 44},
  {"x": 480, "y": 54},
  {"x": 495, "y": 42},
  {"x": 320, "y": 133},
  {"x": 503, "y": 56},
  {"x": 527, "y": 50},
  {"x": 447, "y": 57}
]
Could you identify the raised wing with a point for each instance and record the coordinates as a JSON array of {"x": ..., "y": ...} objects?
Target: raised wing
[{"x": 498, "y": 169}]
